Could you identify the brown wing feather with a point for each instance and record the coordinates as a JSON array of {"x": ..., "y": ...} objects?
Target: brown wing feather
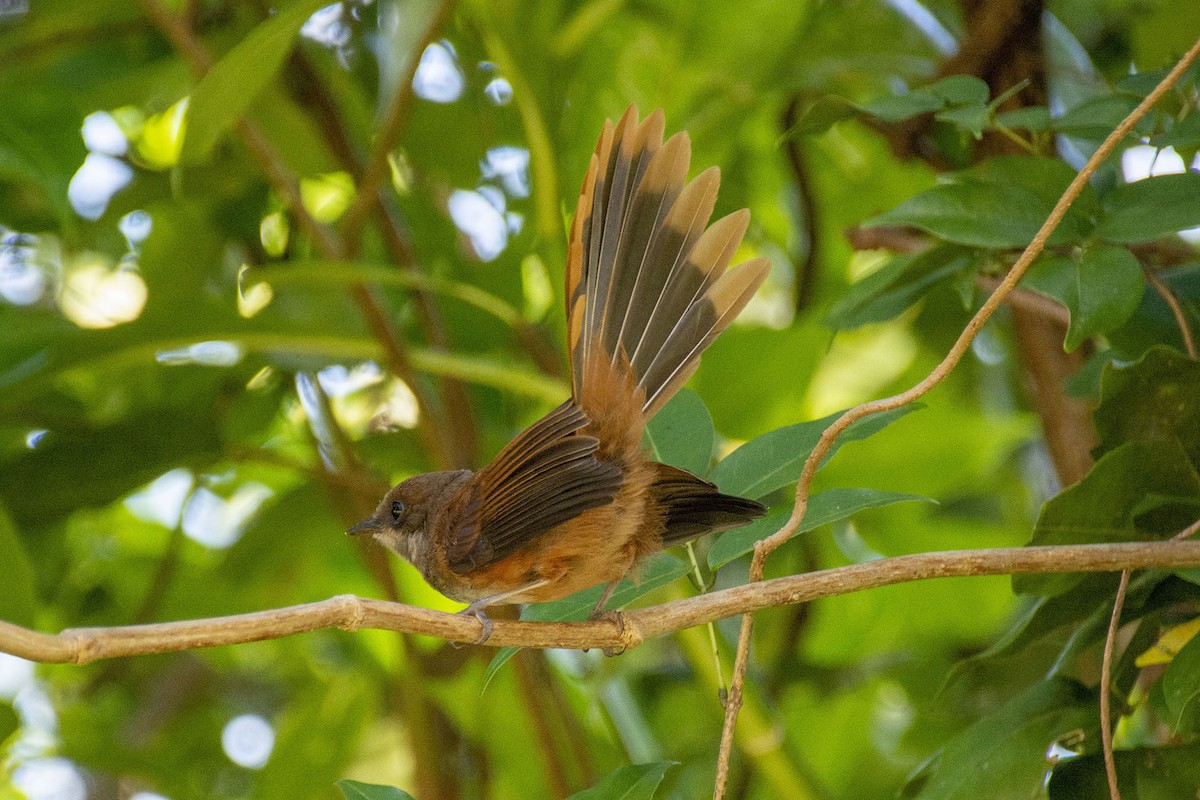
[{"x": 544, "y": 477}]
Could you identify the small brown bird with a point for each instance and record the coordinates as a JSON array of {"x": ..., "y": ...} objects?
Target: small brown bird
[{"x": 574, "y": 501}]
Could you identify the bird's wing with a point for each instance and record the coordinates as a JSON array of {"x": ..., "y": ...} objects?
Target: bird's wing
[{"x": 544, "y": 477}]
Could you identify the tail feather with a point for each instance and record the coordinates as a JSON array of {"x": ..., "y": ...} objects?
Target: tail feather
[
  {"x": 648, "y": 287},
  {"x": 703, "y": 321},
  {"x": 693, "y": 507}
]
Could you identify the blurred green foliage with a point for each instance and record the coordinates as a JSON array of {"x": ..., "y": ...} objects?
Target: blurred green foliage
[{"x": 167, "y": 453}]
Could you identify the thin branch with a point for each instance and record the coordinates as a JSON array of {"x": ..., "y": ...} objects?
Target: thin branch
[
  {"x": 1185, "y": 330},
  {"x": 1026, "y": 300},
  {"x": 808, "y": 265},
  {"x": 390, "y": 127},
  {"x": 1110, "y": 766},
  {"x": 1106, "y": 737},
  {"x": 766, "y": 546},
  {"x": 84, "y": 645},
  {"x": 435, "y": 436}
]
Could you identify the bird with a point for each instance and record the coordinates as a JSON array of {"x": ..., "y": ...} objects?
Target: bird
[{"x": 575, "y": 501}]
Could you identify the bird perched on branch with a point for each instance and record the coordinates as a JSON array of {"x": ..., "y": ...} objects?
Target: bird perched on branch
[{"x": 574, "y": 500}]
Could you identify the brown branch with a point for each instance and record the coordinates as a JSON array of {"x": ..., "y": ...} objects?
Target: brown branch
[
  {"x": 1029, "y": 302},
  {"x": 435, "y": 436},
  {"x": 766, "y": 546},
  {"x": 1066, "y": 421},
  {"x": 390, "y": 127},
  {"x": 84, "y": 645},
  {"x": 1110, "y": 764},
  {"x": 1164, "y": 291},
  {"x": 808, "y": 265},
  {"x": 1106, "y": 742}
]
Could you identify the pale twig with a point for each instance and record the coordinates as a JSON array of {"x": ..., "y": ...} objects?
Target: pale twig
[
  {"x": 83, "y": 645},
  {"x": 766, "y": 546},
  {"x": 1164, "y": 291},
  {"x": 1110, "y": 765},
  {"x": 1106, "y": 734}
]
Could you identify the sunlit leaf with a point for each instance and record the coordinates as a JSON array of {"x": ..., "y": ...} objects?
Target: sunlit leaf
[
  {"x": 1181, "y": 681},
  {"x": 357, "y": 790},
  {"x": 1170, "y": 643},
  {"x": 233, "y": 83}
]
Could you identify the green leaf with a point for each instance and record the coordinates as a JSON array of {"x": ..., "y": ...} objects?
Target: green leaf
[
  {"x": 658, "y": 571},
  {"x": 824, "y": 507},
  {"x": 1110, "y": 503},
  {"x": 1159, "y": 396},
  {"x": 775, "y": 459},
  {"x": 1106, "y": 291},
  {"x": 357, "y": 790},
  {"x": 233, "y": 83},
  {"x": 1004, "y": 754},
  {"x": 972, "y": 118},
  {"x": 819, "y": 116},
  {"x": 18, "y": 595},
  {"x": 1183, "y": 135},
  {"x": 1095, "y": 118},
  {"x": 892, "y": 289},
  {"x": 1147, "y": 209},
  {"x": 681, "y": 434},
  {"x": 1181, "y": 681},
  {"x": 898, "y": 108},
  {"x": 1030, "y": 118},
  {"x": 1145, "y": 773},
  {"x": 960, "y": 90},
  {"x": 1102, "y": 287},
  {"x": 631, "y": 782},
  {"x": 971, "y": 212},
  {"x": 1000, "y": 204}
]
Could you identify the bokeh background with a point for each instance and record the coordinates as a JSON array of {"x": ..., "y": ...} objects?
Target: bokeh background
[{"x": 198, "y": 393}]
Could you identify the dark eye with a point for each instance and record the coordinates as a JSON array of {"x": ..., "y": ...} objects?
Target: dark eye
[{"x": 397, "y": 510}]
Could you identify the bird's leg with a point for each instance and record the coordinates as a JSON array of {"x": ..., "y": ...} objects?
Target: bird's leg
[
  {"x": 616, "y": 617},
  {"x": 598, "y": 611},
  {"x": 476, "y": 608}
]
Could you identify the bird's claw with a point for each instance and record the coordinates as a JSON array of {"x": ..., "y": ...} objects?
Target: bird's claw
[
  {"x": 486, "y": 622},
  {"x": 617, "y": 618}
]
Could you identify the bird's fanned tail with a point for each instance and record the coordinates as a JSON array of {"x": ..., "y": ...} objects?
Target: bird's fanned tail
[{"x": 648, "y": 286}]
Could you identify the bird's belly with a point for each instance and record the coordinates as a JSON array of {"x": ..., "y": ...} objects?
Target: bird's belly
[{"x": 599, "y": 546}]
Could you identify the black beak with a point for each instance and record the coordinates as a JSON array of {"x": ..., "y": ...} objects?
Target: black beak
[{"x": 366, "y": 526}]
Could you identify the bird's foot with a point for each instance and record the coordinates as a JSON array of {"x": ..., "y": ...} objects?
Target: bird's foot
[
  {"x": 617, "y": 618},
  {"x": 476, "y": 610}
]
